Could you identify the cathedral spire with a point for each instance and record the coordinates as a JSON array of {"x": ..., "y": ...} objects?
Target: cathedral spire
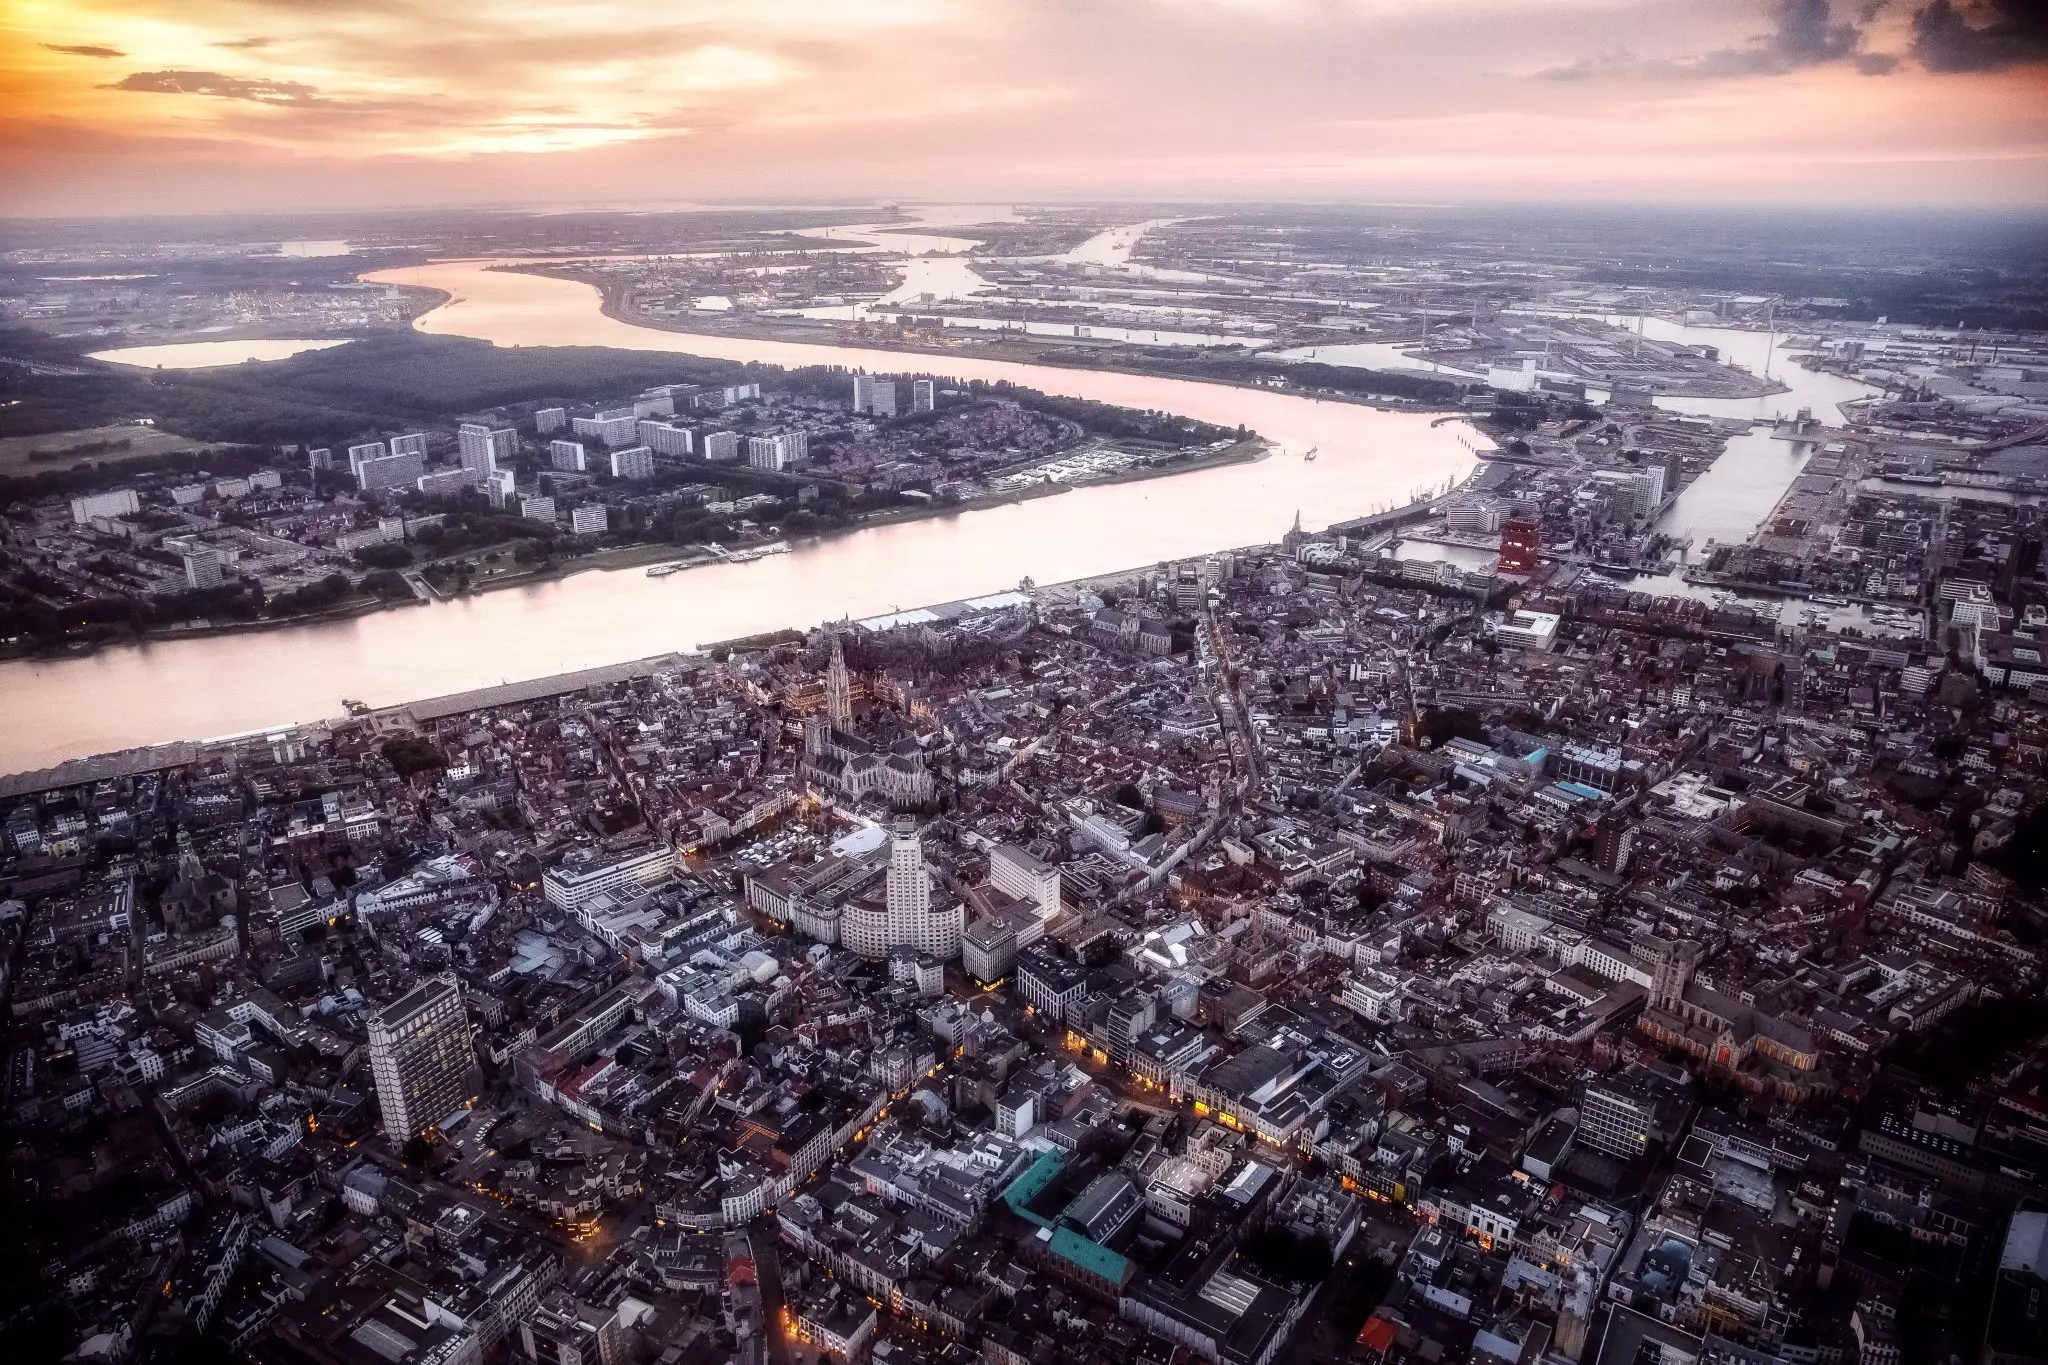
[{"x": 838, "y": 688}]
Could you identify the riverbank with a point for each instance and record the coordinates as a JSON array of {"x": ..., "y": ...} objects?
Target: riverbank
[
  {"x": 648, "y": 553},
  {"x": 1727, "y": 383},
  {"x": 347, "y": 610},
  {"x": 638, "y": 554},
  {"x": 132, "y": 696},
  {"x": 613, "y": 306},
  {"x": 158, "y": 755}
]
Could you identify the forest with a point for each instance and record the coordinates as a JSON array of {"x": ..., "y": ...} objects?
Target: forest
[{"x": 393, "y": 380}]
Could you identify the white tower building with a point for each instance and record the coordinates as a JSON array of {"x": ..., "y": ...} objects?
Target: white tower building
[{"x": 904, "y": 916}]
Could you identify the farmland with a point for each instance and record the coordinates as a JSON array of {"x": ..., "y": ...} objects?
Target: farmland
[{"x": 110, "y": 445}]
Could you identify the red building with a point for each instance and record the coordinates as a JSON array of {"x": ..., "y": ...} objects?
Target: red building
[{"x": 1521, "y": 546}]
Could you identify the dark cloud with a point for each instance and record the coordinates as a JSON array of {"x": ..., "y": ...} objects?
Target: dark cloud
[
  {"x": 85, "y": 50},
  {"x": 1948, "y": 35},
  {"x": 1808, "y": 33},
  {"x": 1987, "y": 36},
  {"x": 215, "y": 84},
  {"x": 245, "y": 44}
]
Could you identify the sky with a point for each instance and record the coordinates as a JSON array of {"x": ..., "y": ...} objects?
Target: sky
[{"x": 125, "y": 107}]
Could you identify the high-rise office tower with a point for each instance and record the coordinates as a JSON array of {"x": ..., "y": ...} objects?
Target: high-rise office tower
[
  {"x": 903, "y": 915},
  {"x": 909, "y": 886},
  {"x": 421, "y": 1058},
  {"x": 923, "y": 397},
  {"x": 1614, "y": 844}
]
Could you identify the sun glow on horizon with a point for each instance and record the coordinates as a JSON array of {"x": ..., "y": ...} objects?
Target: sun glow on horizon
[{"x": 181, "y": 105}]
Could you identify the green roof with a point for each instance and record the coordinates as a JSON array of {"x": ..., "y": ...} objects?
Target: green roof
[
  {"x": 1032, "y": 1183},
  {"x": 1091, "y": 1256}
]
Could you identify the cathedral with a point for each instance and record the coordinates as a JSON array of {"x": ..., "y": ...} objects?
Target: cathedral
[
  {"x": 840, "y": 759},
  {"x": 1757, "y": 1049}
]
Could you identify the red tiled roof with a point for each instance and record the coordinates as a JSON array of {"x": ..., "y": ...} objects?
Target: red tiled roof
[{"x": 1377, "y": 1333}]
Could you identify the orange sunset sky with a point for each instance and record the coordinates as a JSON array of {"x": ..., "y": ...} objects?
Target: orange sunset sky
[{"x": 179, "y": 106}]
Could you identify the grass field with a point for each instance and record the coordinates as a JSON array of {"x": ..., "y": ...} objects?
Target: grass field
[{"x": 62, "y": 449}]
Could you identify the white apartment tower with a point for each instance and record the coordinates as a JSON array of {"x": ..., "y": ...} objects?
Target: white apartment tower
[
  {"x": 119, "y": 503},
  {"x": 368, "y": 450},
  {"x": 874, "y": 396},
  {"x": 1649, "y": 489},
  {"x": 202, "y": 567},
  {"x": 479, "y": 452},
  {"x": 923, "y": 395},
  {"x": 666, "y": 438},
  {"x": 421, "y": 1058},
  {"x": 390, "y": 471},
  {"x": 567, "y": 457}
]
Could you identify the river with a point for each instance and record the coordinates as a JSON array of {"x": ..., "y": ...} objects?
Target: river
[
  {"x": 195, "y": 688},
  {"x": 200, "y": 355},
  {"x": 1731, "y": 499}
]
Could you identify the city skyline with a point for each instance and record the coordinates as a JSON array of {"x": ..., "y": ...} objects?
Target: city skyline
[
  {"x": 137, "y": 107},
  {"x": 916, "y": 682}
]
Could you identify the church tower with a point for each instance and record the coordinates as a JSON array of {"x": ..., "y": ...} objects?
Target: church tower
[
  {"x": 1671, "y": 972},
  {"x": 1294, "y": 535},
  {"x": 838, "y": 687}
]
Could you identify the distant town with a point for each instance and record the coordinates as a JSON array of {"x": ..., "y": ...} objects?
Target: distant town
[{"x": 680, "y": 474}]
